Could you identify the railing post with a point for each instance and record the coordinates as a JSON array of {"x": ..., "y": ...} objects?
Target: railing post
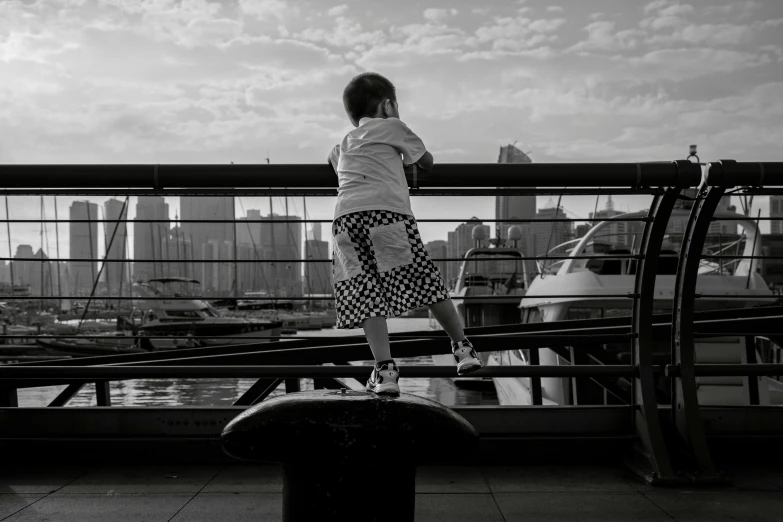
[
  {"x": 658, "y": 467},
  {"x": 9, "y": 398},
  {"x": 103, "y": 393},
  {"x": 686, "y": 415}
]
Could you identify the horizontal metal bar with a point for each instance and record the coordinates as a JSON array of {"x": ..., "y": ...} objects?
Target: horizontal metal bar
[
  {"x": 739, "y": 296},
  {"x": 305, "y": 298},
  {"x": 728, "y": 370},
  {"x": 625, "y": 175},
  {"x": 444, "y": 259},
  {"x": 284, "y": 221},
  {"x": 707, "y": 256},
  {"x": 310, "y": 193},
  {"x": 729, "y": 173},
  {"x": 303, "y": 371}
]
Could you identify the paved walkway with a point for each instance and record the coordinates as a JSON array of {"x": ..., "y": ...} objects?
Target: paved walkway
[{"x": 495, "y": 493}]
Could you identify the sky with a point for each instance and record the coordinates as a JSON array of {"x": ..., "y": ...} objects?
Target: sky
[{"x": 194, "y": 81}]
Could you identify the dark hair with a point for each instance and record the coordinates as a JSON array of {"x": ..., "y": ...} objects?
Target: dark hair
[{"x": 364, "y": 92}]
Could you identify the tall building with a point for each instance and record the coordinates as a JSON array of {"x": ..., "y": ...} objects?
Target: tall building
[
  {"x": 616, "y": 232},
  {"x": 318, "y": 276},
  {"x": 270, "y": 241},
  {"x": 211, "y": 241},
  {"x": 84, "y": 245},
  {"x": 5, "y": 272},
  {"x": 116, "y": 234},
  {"x": 147, "y": 237},
  {"x": 176, "y": 253},
  {"x": 253, "y": 276},
  {"x": 776, "y": 210},
  {"x": 513, "y": 207},
  {"x": 459, "y": 242},
  {"x": 439, "y": 249},
  {"x": 283, "y": 241},
  {"x": 546, "y": 236}
]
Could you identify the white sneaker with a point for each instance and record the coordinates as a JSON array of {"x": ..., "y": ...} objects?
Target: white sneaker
[
  {"x": 384, "y": 379},
  {"x": 466, "y": 357}
]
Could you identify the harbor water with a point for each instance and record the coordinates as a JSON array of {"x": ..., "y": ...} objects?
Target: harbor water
[{"x": 223, "y": 392}]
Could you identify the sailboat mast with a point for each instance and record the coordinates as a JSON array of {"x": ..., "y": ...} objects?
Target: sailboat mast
[
  {"x": 10, "y": 253},
  {"x": 40, "y": 301},
  {"x": 308, "y": 266},
  {"x": 57, "y": 239},
  {"x": 234, "y": 230}
]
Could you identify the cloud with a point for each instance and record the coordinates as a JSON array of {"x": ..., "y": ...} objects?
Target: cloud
[
  {"x": 602, "y": 36},
  {"x": 337, "y": 10},
  {"x": 438, "y": 15},
  {"x": 263, "y": 9},
  {"x": 554, "y": 9}
]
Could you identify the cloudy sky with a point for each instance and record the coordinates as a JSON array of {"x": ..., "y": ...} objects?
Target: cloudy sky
[{"x": 164, "y": 81}]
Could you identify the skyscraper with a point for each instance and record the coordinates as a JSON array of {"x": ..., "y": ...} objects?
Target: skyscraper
[
  {"x": 147, "y": 236},
  {"x": 459, "y": 242},
  {"x": 318, "y": 275},
  {"x": 283, "y": 241},
  {"x": 513, "y": 207},
  {"x": 211, "y": 241},
  {"x": 84, "y": 245},
  {"x": 115, "y": 234},
  {"x": 776, "y": 210},
  {"x": 438, "y": 249},
  {"x": 616, "y": 232},
  {"x": 546, "y": 236}
]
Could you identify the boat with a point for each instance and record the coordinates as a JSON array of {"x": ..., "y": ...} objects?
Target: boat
[
  {"x": 482, "y": 275},
  {"x": 193, "y": 321},
  {"x": 583, "y": 282},
  {"x": 162, "y": 324}
]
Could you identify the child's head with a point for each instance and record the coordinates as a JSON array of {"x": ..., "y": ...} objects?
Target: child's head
[{"x": 371, "y": 95}]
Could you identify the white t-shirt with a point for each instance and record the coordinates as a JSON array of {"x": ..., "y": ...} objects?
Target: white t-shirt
[{"x": 369, "y": 168}]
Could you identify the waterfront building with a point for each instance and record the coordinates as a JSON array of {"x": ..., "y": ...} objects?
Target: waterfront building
[
  {"x": 318, "y": 276},
  {"x": 439, "y": 249},
  {"x": 283, "y": 241},
  {"x": 147, "y": 236},
  {"x": 176, "y": 255},
  {"x": 776, "y": 210},
  {"x": 211, "y": 241},
  {"x": 513, "y": 207},
  {"x": 617, "y": 232},
  {"x": 83, "y": 245},
  {"x": 459, "y": 242},
  {"x": 116, "y": 274},
  {"x": 544, "y": 237},
  {"x": 5, "y": 272}
]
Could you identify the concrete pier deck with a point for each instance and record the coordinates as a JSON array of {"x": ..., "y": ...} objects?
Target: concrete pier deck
[{"x": 198, "y": 493}]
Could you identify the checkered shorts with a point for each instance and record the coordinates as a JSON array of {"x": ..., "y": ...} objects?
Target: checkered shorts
[{"x": 380, "y": 267}]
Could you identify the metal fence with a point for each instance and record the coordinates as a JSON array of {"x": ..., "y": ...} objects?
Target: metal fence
[{"x": 657, "y": 427}]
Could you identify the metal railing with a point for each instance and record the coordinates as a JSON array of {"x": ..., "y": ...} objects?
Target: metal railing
[{"x": 291, "y": 360}]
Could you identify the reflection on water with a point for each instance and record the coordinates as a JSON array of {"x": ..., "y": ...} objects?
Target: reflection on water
[{"x": 223, "y": 392}]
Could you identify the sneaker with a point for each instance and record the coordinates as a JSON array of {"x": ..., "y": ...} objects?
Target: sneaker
[
  {"x": 384, "y": 379},
  {"x": 466, "y": 357}
]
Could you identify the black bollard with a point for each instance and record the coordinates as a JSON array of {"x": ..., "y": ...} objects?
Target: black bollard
[{"x": 349, "y": 454}]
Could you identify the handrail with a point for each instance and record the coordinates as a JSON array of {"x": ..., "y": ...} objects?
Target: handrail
[{"x": 635, "y": 175}]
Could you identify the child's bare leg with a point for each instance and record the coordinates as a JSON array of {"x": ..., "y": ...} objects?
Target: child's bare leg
[
  {"x": 446, "y": 314},
  {"x": 377, "y": 333}
]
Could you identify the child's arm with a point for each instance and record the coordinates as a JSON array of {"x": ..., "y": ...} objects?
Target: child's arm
[
  {"x": 334, "y": 157},
  {"x": 426, "y": 161}
]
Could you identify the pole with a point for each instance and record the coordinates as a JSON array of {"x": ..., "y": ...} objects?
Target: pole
[
  {"x": 40, "y": 301},
  {"x": 273, "y": 266},
  {"x": 152, "y": 244},
  {"x": 234, "y": 230},
  {"x": 10, "y": 253},
  {"x": 57, "y": 239}
]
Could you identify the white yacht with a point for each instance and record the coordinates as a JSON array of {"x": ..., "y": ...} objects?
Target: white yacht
[
  {"x": 482, "y": 275},
  {"x": 583, "y": 282}
]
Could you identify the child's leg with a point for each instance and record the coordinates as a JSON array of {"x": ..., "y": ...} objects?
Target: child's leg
[
  {"x": 467, "y": 358},
  {"x": 446, "y": 314},
  {"x": 377, "y": 333}
]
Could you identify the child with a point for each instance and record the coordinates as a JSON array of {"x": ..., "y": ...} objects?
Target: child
[{"x": 380, "y": 266}]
